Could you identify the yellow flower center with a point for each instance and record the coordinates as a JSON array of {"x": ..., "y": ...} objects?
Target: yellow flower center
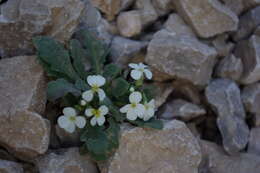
[
  {"x": 146, "y": 107},
  {"x": 141, "y": 70},
  {"x": 72, "y": 118},
  {"x": 95, "y": 88},
  {"x": 96, "y": 113},
  {"x": 133, "y": 105}
]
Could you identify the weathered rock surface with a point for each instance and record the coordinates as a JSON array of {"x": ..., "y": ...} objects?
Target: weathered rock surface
[
  {"x": 249, "y": 52},
  {"x": 224, "y": 97},
  {"x": 21, "y": 20},
  {"x": 251, "y": 4},
  {"x": 10, "y": 167},
  {"x": 222, "y": 45},
  {"x": 22, "y": 99},
  {"x": 67, "y": 139},
  {"x": 254, "y": 141},
  {"x": 251, "y": 98},
  {"x": 186, "y": 57},
  {"x": 182, "y": 109},
  {"x": 147, "y": 12},
  {"x": 216, "y": 161},
  {"x": 65, "y": 161},
  {"x": 256, "y": 120},
  {"x": 237, "y": 6},
  {"x": 247, "y": 24},
  {"x": 129, "y": 23},
  {"x": 171, "y": 150},
  {"x": 230, "y": 67},
  {"x": 163, "y": 91},
  {"x": 219, "y": 19},
  {"x": 163, "y": 7}
]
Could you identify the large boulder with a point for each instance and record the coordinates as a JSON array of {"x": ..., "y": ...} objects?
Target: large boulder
[
  {"x": 207, "y": 17},
  {"x": 251, "y": 98},
  {"x": 171, "y": 150},
  {"x": 21, "y": 20},
  {"x": 254, "y": 141},
  {"x": 10, "y": 167},
  {"x": 23, "y": 130}
]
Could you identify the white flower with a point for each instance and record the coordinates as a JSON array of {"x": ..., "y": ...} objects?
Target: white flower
[
  {"x": 98, "y": 115},
  {"x": 139, "y": 70},
  {"x": 70, "y": 120},
  {"x": 83, "y": 103},
  {"x": 149, "y": 110},
  {"x": 132, "y": 89},
  {"x": 134, "y": 109},
  {"x": 95, "y": 81}
]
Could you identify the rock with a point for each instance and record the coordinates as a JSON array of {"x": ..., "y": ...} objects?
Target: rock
[
  {"x": 159, "y": 76},
  {"x": 251, "y": 3},
  {"x": 126, "y": 4},
  {"x": 254, "y": 141},
  {"x": 176, "y": 25},
  {"x": 171, "y": 150},
  {"x": 186, "y": 57},
  {"x": 90, "y": 17},
  {"x": 249, "y": 52},
  {"x": 183, "y": 110},
  {"x": 10, "y": 167},
  {"x": 223, "y": 47},
  {"x": 237, "y": 6},
  {"x": 223, "y": 95},
  {"x": 147, "y": 12},
  {"x": 23, "y": 131},
  {"x": 219, "y": 19},
  {"x": 123, "y": 49},
  {"x": 230, "y": 67},
  {"x": 163, "y": 91},
  {"x": 65, "y": 161},
  {"x": 21, "y": 20},
  {"x": 257, "y": 31},
  {"x": 67, "y": 139},
  {"x": 110, "y": 8},
  {"x": 129, "y": 23},
  {"x": 251, "y": 98},
  {"x": 163, "y": 7},
  {"x": 216, "y": 161},
  {"x": 247, "y": 24},
  {"x": 257, "y": 120}
]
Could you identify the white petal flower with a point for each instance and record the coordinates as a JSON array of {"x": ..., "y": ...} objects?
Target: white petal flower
[
  {"x": 70, "y": 120},
  {"x": 139, "y": 70},
  {"x": 98, "y": 115},
  {"x": 83, "y": 103},
  {"x": 95, "y": 81},
  {"x": 149, "y": 110},
  {"x": 134, "y": 109}
]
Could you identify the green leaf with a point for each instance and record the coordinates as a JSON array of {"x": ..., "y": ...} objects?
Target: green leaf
[
  {"x": 55, "y": 58},
  {"x": 59, "y": 88},
  {"x": 111, "y": 71},
  {"x": 152, "y": 123},
  {"x": 149, "y": 91},
  {"x": 79, "y": 56},
  {"x": 81, "y": 85},
  {"x": 120, "y": 87},
  {"x": 113, "y": 110},
  {"x": 113, "y": 134}
]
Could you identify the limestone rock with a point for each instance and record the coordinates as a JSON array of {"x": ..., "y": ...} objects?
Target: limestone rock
[
  {"x": 129, "y": 23},
  {"x": 222, "y": 45},
  {"x": 65, "y": 161},
  {"x": 123, "y": 49},
  {"x": 257, "y": 120},
  {"x": 251, "y": 4},
  {"x": 224, "y": 97},
  {"x": 251, "y": 98},
  {"x": 22, "y": 93},
  {"x": 249, "y": 52},
  {"x": 10, "y": 167},
  {"x": 21, "y": 20},
  {"x": 126, "y": 4},
  {"x": 230, "y": 67},
  {"x": 257, "y": 31},
  {"x": 159, "y": 76},
  {"x": 171, "y": 150},
  {"x": 163, "y": 91},
  {"x": 247, "y": 24},
  {"x": 163, "y": 7},
  {"x": 237, "y": 6},
  {"x": 219, "y": 19},
  {"x": 183, "y": 110},
  {"x": 147, "y": 12},
  {"x": 186, "y": 57},
  {"x": 67, "y": 139},
  {"x": 254, "y": 141}
]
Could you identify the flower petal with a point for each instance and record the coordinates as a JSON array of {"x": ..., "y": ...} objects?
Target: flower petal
[
  {"x": 70, "y": 128},
  {"x": 135, "y": 97},
  {"x": 140, "y": 109},
  {"x": 88, "y": 95},
  {"x": 136, "y": 74},
  {"x": 101, "y": 120},
  {"x": 125, "y": 108},
  {"x": 93, "y": 121},
  {"x": 89, "y": 112},
  {"x": 103, "y": 110},
  {"x": 101, "y": 94},
  {"x": 91, "y": 80},
  {"x": 63, "y": 121},
  {"x": 134, "y": 66},
  {"x": 100, "y": 80},
  {"x": 131, "y": 115},
  {"x": 148, "y": 74},
  {"x": 151, "y": 103},
  {"x": 69, "y": 111},
  {"x": 142, "y": 66},
  {"x": 80, "y": 122}
]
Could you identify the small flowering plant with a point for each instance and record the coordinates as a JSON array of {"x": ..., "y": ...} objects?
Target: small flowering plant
[{"x": 97, "y": 100}]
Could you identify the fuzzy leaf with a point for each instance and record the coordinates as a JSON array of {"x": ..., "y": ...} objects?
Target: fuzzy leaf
[
  {"x": 111, "y": 71},
  {"x": 81, "y": 85},
  {"x": 113, "y": 110},
  {"x": 120, "y": 87}
]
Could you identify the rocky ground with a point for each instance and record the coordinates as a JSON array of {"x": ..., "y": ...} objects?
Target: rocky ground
[{"x": 205, "y": 57}]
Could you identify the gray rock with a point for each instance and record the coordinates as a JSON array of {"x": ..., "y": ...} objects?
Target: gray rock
[
  {"x": 173, "y": 149},
  {"x": 23, "y": 131},
  {"x": 251, "y": 98},
  {"x": 257, "y": 120},
  {"x": 65, "y": 161},
  {"x": 21, "y": 20},
  {"x": 257, "y": 31},
  {"x": 237, "y": 6},
  {"x": 249, "y": 52},
  {"x": 126, "y": 4},
  {"x": 163, "y": 7},
  {"x": 10, "y": 167},
  {"x": 183, "y": 110},
  {"x": 251, "y": 4},
  {"x": 223, "y": 47},
  {"x": 219, "y": 19},
  {"x": 254, "y": 141},
  {"x": 67, "y": 139},
  {"x": 247, "y": 24},
  {"x": 181, "y": 57},
  {"x": 223, "y": 95},
  {"x": 230, "y": 67},
  {"x": 123, "y": 49},
  {"x": 163, "y": 91},
  {"x": 147, "y": 12}
]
